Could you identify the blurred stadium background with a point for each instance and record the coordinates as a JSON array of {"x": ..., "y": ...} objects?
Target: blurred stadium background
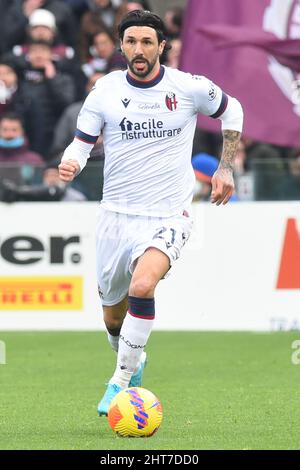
[{"x": 224, "y": 356}]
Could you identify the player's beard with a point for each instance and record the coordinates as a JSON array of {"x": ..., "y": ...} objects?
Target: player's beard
[{"x": 149, "y": 66}]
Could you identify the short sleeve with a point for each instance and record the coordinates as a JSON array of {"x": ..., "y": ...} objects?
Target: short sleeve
[{"x": 208, "y": 97}]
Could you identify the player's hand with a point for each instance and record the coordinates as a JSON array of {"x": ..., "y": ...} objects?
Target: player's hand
[
  {"x": 222, "y": 186},
  {"x": 68, "y": 169}
]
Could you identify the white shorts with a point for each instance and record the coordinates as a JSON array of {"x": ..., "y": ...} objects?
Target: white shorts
[{"x": 121, "y": 239}]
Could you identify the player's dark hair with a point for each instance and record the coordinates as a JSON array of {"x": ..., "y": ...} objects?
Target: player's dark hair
[{"x": 143, "y": 18}]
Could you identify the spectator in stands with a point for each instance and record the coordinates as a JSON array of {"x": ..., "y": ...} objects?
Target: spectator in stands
[
  {"x": 13, "y": 142},
  {"x": 137, "y": 5},
  {"x": 267, "y": 165},
  {"x": 53, "y": 90},
  {"x": 52, "y": 189},
  {"x": 4, "y": 7},
  {"x": 66, "y": 126},
  {"x": 100, "y": 17},
  {"x": 289, "y": 189},
  {"x": 240, "y": 162},
  {"x": 105, "y": 58},
  {"x": 173, "y": 54},
  {"x": 104, "y": 15},
  {"x": 244, "y": 179},
  {"x": 106, "y": 9},
  {"x": 207, "y": 142},
  {"x": 126, "y": 7},
  {"x": 51, "y": 179},
  {"x": 14, "y": 99},
  {"x": 173, "y": 21},
  {"x": 79, "y": 7},
  {"x": 42, "y": 27},
  {"x": 204, "y": 168},
  {"x": 19, "y": 13}
]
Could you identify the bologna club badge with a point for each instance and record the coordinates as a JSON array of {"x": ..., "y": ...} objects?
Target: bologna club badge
[{"x": 171, "y": 101}]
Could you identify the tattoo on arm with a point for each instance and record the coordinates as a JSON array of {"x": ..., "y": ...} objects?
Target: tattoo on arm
[{"x": 230, "y": 145}]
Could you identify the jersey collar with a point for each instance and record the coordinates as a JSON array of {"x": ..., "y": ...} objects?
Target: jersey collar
[{"x": 139, "y": 84}]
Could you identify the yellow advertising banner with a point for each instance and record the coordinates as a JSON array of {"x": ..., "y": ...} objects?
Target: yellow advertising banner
[{"x": 41, "y": 293}]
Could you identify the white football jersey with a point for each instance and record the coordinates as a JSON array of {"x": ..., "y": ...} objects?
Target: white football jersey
[{"x": 148, "y": 130}]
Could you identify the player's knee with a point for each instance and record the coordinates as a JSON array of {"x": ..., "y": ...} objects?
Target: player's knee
[
  {"x": 112, "y": 323},
  {"x": 143, "y": 287},
  {"x": 112, "y": 319}
]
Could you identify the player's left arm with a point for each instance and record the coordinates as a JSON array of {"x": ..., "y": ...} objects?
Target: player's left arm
[
  {"x": 222, "y": 181},
  {"x": 210, "y": 100},
  {"x": 232, "y": 123}
]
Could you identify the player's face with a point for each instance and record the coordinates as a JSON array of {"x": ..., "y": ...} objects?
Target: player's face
[{"x": 142, "y": 51}]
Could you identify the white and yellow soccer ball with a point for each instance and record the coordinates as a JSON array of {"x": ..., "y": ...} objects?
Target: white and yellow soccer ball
[{"x": 135, "y": 412}]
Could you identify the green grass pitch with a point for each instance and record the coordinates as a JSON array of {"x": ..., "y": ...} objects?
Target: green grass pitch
[{"x": 218, "y": 391}]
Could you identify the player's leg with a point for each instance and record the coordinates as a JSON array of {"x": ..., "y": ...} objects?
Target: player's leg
[
  {"x": 113, "y": 317},
  {"x": 150, "y": 268},
  {"x": 112, "y": 254},
  {"x": 151, "y": 255},
  {"x": 155, "y": 256},
  {"x": 138, "y": 323},
  {"x": 111, "y": 262}
]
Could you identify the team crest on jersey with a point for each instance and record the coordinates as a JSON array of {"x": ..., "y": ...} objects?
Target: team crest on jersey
[
  {"x": 171, "y": 101},
  {"x": 212, "y": 93}
]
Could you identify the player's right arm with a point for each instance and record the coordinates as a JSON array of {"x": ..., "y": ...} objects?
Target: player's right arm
[
  {"x": 89, "y": 126},
  {"x": 68, "y": 169}
]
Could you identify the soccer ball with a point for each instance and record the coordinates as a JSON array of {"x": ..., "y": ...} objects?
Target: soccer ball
[{"x": 135, "y": 412}]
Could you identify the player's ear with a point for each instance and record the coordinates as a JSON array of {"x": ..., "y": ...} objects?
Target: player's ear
[{"x": 162, "y": 46}]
